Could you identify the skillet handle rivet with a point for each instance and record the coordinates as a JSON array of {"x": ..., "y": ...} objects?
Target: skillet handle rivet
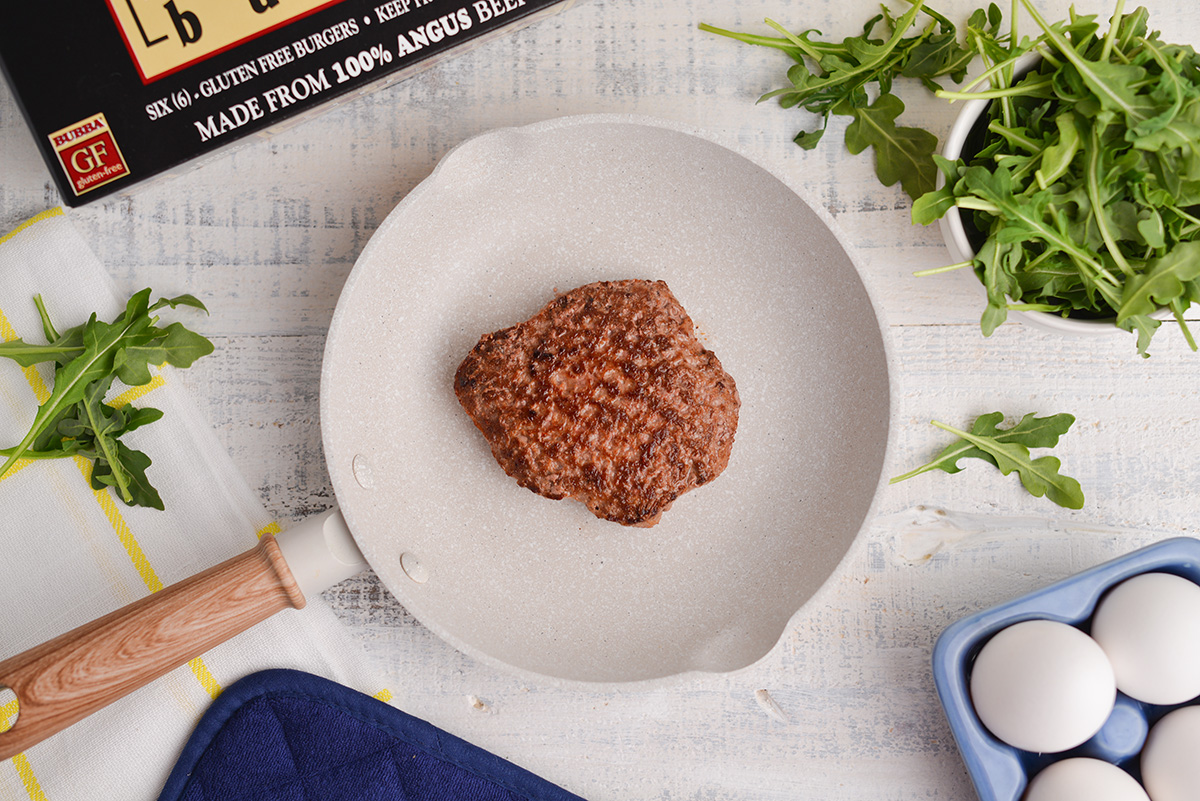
[
  {"x": 362, "y": 472},
  {"x": 413, "y": 568}
]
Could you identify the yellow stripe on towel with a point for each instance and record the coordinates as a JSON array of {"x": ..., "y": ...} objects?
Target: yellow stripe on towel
[
  {"x": 134, "y": 393},
  {"x": 206, "y": 679},
  {"x": 384, "y": 695},
  {"x": 32, "y": 787},
  {"x": 108, "y": 505},
  {"x": 141, "y": 563},
  {"x": 17, "y": 467},
  {"x": 37, "y": 218},
  {"x": 7, "y": 713}
]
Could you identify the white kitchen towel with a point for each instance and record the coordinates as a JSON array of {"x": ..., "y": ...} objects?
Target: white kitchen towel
[{"x": 69, "y": 554}]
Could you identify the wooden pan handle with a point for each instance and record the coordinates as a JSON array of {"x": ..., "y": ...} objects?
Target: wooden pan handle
[{"x": 70, "y": 677}]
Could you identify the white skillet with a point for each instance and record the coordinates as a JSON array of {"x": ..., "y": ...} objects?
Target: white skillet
[{"x": 506, "y": 221}]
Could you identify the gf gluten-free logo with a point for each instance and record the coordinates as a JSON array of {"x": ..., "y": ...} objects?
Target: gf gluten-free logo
[{"x": 89, "y": 154}]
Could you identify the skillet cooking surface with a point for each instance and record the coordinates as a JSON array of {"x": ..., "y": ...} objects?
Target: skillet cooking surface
[{"x": 507, "y": 220}]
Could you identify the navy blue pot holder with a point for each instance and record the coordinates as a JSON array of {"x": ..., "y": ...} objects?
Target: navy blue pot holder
[{"x": 283, "y": 735}]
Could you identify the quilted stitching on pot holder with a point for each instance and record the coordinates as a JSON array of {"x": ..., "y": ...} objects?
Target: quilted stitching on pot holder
[{"x": 284, "y": 735}]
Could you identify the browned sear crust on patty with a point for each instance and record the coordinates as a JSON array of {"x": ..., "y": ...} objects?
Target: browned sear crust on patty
[{"x": 605, "y": 396}]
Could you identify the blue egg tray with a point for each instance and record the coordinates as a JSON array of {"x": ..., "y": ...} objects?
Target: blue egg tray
[{"x": 999, "y": 771}]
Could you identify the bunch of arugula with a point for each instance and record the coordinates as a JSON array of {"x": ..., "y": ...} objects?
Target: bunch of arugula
[
  {"x": 833, "y": 78},
  {"x": 1086, "y": 189},
  {"x": 74, "y": 420},
  {"x": 1008, "y": 450},
  {"x": 1085, "y": 193}
]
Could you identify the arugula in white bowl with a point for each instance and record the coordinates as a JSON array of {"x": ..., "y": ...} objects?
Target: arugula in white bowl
[{"x": 1084, "y": 186}]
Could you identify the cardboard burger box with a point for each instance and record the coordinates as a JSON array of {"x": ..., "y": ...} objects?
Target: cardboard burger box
[{"x": 118, "y": 91}]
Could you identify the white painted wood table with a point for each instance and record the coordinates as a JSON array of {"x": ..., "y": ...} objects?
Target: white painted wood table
[{"x": 268, "y": 234}]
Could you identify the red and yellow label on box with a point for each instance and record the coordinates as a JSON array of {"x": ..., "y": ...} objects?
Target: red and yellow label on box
[
  {"x": 89, "y": 154},
  {"x": 165, "y": 37}
]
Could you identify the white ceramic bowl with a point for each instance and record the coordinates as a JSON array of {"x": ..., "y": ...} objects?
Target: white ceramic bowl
[{"x": 955, "y": 235}]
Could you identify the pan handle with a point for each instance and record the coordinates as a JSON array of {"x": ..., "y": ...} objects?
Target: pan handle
[
  {"x": 321, "y": 552},
  {"x": 68, "y": 678}
]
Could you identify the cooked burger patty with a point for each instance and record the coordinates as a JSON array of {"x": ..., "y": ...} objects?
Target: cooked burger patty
[{"x": 605, "y": 396}]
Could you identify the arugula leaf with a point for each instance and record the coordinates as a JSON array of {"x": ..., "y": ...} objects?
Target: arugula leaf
[
  {"x": 132, "y": 465},
  {"x": 176, "y": 302},
  {"x": 137, "y": 417},
  {"x": 74, "y": 420},
  {"x": 998, "y": 282},
  {"x": 62, "y": 449},
  {"x": 932, "y": 206},
  {"x": 1031, "y": 431},
  {"x": 100, "y": 345},
  {"x": 27, "y": 355},
  {"x": 47, "y": 326},
  {"x": 175, "y": 345},
  {"x": 104, "y": 422},
  {"x": 1039, "y": 476},
  {"x": 939, "y": 54},
  {"x": 1162, "y": 281},
  {"x": 833, "y": 78},
  {"x": 901, "y": 154},
  {"x": 1057, "y": 158},
  {"x": 809, "y": 139},
  {"x": 1008, "y": 450}
]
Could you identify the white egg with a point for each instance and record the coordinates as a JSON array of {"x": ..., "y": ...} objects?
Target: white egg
[
  {"x": 1171, "y": 758},
  {"x": 1149, "y": 626},
  {"x": 1084, "y": 779},
  {"x": 1042, "y": 686}
]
